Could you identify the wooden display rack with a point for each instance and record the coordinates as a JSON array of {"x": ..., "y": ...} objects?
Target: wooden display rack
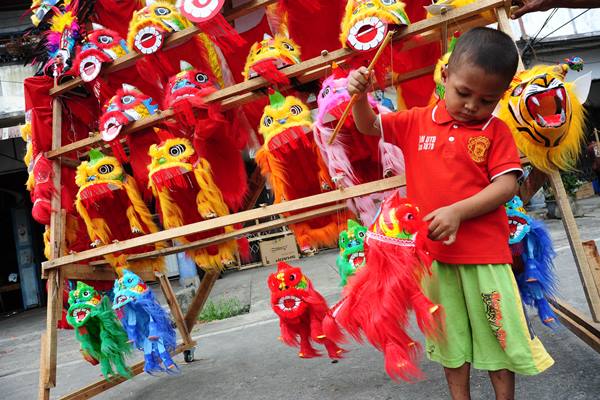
[{"x": 62, "y": 266}]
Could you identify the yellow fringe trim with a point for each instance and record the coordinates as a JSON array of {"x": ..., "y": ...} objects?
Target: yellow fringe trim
[
  {"x": 47, "y": 249},
  {"x": 138, "y": 211},
  {"x": 213, "y": 58}
]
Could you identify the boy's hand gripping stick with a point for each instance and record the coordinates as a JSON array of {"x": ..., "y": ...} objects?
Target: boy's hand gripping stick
[{"x": 354, "y": 97}]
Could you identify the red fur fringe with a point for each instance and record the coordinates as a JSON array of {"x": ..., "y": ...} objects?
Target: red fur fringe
[
  {"x": 377, "y": 304},
  {"x": 222, "y": 33}
]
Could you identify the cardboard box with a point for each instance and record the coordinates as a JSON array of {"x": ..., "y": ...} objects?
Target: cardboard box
[
  {"x": 586, "y": 190},
  {"x": 282, "y": 249}
]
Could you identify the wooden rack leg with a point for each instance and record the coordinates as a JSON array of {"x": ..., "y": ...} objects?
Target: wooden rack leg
[
  {"x": 43, "y": 391},
  {"x": 103, "y": 385},
  {"x": 55, "y": 278},
  {"x": 203, "y": 291},
  {"x": 174, "y": 306},
  {"x": 585, "y": 329},
  {"x": 49, "y": 343},
  {"x": 504, "y": 26},
  {"x": 534, "y": 181},
  {"x": 592, "y": 294},
  {"x": 593, "y": 258}
]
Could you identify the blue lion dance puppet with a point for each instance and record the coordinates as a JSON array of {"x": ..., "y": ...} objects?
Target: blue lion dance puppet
[
  {"x": 532, "y": 251},
  {"x": 145, "y": 322}
]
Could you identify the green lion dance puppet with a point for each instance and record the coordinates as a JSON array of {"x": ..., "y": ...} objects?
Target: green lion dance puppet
[
  {"x": 352, "y": 250},
  {"x": 98, "y": 331}
]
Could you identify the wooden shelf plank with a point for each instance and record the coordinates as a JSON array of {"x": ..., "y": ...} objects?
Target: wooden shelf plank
[
  {"x": 103, "y": 385},
  {"x": 224, "y": 237},
  {"x": 318, "y": 200},
  {"x": 577, "y": 323}
]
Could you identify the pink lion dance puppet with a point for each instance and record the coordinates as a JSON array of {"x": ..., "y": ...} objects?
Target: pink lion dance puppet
[
  {"x": 301, "y": 310},
  {"x": 378, "y": 299},
  {"x": 352, "y": 158}
]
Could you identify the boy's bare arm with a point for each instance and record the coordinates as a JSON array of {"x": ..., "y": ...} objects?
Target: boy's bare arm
[
  {"x": 446, "y": 220},
  {"x": 527, "y": 6},
  {"x": 359, "y": 82}
]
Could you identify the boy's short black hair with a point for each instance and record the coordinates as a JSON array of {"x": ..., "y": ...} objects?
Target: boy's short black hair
[{"x": 492, "y": 50}]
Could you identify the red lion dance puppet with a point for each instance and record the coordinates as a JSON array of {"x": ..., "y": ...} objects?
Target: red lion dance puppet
[
  {"x": 217, "y": 135},
  {"x": 377, "y": 300},
  {"x": 301, "y": 310}
]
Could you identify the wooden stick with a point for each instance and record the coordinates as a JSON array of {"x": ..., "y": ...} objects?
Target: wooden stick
[
  {"x": 103, "y": 385},
  {"x": 176, "y": 312},
  {"x": 43, "y": 391},
  {"x": 354, "y": 97},
  {"x": 206, "y": 286},
  {"x": 579, "y": 324},
  {"x": 220, "y": 238}
]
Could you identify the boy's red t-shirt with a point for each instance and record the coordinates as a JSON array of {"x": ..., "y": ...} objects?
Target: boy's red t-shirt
[{"x": 448, "y": 161}]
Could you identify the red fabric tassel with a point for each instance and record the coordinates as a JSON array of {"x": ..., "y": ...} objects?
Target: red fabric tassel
[
  {"x": 222, "y": 33},
  {"x": 269, "y": 71},
  {"x": 139, "y": 143},
  {"x": 244, "y": 249},
  {"x": 41, "y": 211}
]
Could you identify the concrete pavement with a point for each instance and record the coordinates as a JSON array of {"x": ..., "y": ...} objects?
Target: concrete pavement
[{"x": 241, "y": 358}]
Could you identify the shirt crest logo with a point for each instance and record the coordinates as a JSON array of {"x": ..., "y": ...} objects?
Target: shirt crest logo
[{"x": 478, "y": 147}]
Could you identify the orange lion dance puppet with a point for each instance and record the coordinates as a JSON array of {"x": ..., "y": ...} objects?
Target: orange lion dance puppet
[
  {"x": 301, "y": 310},
  {"x": 377, "y": 300},
  {"x": 291, "y": 160}
]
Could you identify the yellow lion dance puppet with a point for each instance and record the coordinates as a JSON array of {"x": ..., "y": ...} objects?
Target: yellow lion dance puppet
[
  {"x": 186, "y": 193},
  {"x": 112, "y": 208}
]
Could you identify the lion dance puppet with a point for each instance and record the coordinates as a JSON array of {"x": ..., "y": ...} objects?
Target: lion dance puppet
[
  {"x": 102, "y": 46},
  {"x": 533, "y": 255},
  {"x": 267, "y": 57},
  {"x": 290, "y": 160},
  {"x": 217, "y": 135},
  {"x": 112, "y": 208},
  {"x": 352, "y": 250},
  {"x": 352, "y": 158},
  {"x": 301, "y": 310},
  {"x": 546, "y": 115},
  {"x": 146, "y": 322},
  {"x": 186, "y": 193},
  {"x": 378, "y": 298},
  {"x": 98, "y": 331}
]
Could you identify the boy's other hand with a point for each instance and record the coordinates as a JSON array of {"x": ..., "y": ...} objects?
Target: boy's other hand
[
  {"x": 444, "y": 223},
  {"x": 360, "y": 81},
  {"x": 527, "y": 6}
]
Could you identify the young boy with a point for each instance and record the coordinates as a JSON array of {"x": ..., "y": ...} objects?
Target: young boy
[{"x": 462, "y": 165}]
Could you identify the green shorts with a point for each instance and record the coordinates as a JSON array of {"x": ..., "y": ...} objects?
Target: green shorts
[{"x": 485, "y": 324}]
